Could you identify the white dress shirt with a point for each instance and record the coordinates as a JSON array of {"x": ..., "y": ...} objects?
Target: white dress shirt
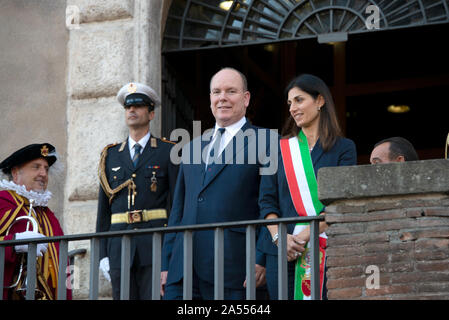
[
  {"x": 227, "y": 136},
  {"x": 143, "y": 142}
]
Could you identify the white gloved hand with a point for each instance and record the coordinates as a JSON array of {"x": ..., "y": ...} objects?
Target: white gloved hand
[
  {"x": 41, "y": 248},
  {"x": 104, "y": 267}
]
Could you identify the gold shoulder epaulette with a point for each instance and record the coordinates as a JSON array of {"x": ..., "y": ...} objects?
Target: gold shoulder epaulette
[
  {"x": 168, "y": 141},
  {"x": 102, "y": 174},
  {"x": 105, "y": 149}
]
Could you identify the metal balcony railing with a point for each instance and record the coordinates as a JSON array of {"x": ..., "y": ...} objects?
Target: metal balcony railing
[{"x": 94, "y": 238}]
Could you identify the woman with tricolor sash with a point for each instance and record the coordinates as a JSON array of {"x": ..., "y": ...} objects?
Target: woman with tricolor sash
[{"x": 311, "y": 139}]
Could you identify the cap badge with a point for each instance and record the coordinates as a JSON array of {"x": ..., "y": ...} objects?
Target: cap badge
[
  {"x": 132, "y": 88},
  {"x": 44, "y": 151}
]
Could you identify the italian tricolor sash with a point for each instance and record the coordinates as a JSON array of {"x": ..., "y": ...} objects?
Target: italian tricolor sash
[{"x": 303, "y": 188}]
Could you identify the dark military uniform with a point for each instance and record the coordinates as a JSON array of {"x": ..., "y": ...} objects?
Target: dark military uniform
[{"x": 124, "y": 189}]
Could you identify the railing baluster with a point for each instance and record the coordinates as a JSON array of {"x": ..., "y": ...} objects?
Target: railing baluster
[
  {"x": 315, "y": 257},
  {"x": 188, "y": 259},
  {"x": 282, "y": 263},
  {"x": 31, "y": 271},
  {"x": 125, "y": 267},
  {"x": 62, "y": 272},
  {"x": 219, "y": 264},
  {"x": 94, "y": 268},
  {"x": 156, "y": 281},
  {"x": 250, "y": 262}
]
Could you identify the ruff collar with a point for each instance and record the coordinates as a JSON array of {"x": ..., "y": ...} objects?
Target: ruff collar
[{"x": 40, "y": 198}]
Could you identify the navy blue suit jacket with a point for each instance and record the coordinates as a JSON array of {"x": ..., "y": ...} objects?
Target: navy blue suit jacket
[
  {"x": 275, "y": 194},
  {"x": 229, "y": 192}
]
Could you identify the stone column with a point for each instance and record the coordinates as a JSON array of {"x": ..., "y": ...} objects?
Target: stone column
[
  {"x": 388, "y": 230},
  {"x": 117, "y": 41}
]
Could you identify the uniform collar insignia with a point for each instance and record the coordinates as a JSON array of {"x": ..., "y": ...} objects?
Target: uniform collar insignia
[
  {"x": 122, "y": 146},
  {"x": 153, "y": 142}
]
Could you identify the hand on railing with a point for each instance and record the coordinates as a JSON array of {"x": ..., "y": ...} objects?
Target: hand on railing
[
  {"x": 104, "y": 267},
  {"x": 41, "y": 248}
]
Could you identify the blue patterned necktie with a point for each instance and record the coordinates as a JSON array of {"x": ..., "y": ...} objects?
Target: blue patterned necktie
[
  {"x": 137, "y": 149},
  {"x": 215, "y": 149}
]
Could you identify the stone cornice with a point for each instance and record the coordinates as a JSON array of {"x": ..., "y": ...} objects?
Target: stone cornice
[{"x": 391, "y": 179}]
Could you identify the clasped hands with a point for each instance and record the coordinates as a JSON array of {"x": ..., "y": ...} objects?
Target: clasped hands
[{"x": 295, "y": 246}]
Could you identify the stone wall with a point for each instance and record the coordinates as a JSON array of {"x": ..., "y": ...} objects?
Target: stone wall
[
  {"x": 116, "y": 42},
  {"x": 33, "y": 61},
  {"x": 388, "y": 230}
]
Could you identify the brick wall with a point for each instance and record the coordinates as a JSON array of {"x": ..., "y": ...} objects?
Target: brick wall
[{"x": 388, "y": 237}]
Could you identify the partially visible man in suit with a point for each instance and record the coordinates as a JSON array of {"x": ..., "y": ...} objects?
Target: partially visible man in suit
[
  {"x": 394, "y": 149},
  {"x": 137, "y": 181},
  {"x": 217, "y": 189}
]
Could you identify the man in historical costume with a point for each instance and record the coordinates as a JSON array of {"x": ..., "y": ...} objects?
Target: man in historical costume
[
  {"x": 26, "y": 194},
  {"x": 137, "y": 181}
]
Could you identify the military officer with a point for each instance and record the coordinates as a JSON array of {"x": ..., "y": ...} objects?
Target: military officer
[{"x": 137, "y": 181}]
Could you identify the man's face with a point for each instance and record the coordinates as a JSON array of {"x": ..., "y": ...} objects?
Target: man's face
[
  {"x": 138, "y": 116},
  {"x": 381, "y": 154},
  {"x": 33, "y": 175},
  {"x": 228, "y": 100}
]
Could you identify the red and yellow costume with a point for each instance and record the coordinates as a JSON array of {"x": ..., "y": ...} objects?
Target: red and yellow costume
[{"x": 12, "y": 206}]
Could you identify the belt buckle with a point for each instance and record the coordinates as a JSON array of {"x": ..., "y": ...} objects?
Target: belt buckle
[{"x": 135, "y": 216}]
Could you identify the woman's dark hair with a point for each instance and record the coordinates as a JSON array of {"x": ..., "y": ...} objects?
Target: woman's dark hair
[{"x": 328, "y": 128}]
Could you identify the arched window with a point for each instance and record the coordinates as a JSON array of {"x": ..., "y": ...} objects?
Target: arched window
[{"x": 193, "y": 24}]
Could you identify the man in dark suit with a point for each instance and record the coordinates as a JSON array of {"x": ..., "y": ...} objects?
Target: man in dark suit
[
  {"x": 137, "y": 182},
  {"x": 212, "y": 190}
]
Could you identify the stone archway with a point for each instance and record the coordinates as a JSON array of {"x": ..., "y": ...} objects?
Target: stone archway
[{"x": 195, "y": 27}]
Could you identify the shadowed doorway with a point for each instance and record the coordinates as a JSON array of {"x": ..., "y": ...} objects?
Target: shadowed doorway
[{"x": 367, "y": 73}]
